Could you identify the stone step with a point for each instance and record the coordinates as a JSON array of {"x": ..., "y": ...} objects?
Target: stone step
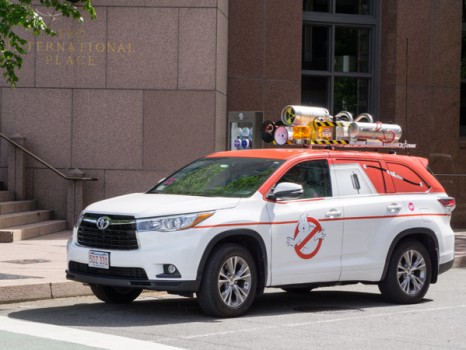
[
  {"x": 24, "y": 218},
  {"x": 7, "y": 196},
  {"x": 37, "y": 229},
  {"x": 17, "y": 206}
]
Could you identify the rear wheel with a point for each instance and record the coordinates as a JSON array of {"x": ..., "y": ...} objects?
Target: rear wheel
[
  {"x": 115, "y": 295},
  {"x": 408, "y": 275},
  {"x": 229, "y": 283}
]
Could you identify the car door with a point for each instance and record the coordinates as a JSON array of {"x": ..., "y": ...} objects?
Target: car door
[
  {"x": 372, "y": 216},
  {"x": 306, "y": 231}
]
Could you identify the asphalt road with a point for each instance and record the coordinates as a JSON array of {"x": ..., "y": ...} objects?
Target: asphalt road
[{"x": 349, "y": 317}]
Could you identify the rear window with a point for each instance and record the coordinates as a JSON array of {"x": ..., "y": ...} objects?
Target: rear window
[{"x": 405, "y": 179}]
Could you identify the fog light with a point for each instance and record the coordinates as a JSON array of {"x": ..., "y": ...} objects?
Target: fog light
[{"x": 171, "y": 269}]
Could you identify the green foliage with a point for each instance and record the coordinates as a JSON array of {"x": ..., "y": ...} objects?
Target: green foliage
[
  {"x": 195, "y": 182},
  {"x": 215, "y": 180},
  {"x": 22, "y": 14}
]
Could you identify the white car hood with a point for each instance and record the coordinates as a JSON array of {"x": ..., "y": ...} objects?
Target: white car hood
[{"x": 143, "y": 205}]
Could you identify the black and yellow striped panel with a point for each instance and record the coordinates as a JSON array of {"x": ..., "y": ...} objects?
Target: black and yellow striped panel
[
  {"x": 328, "y": 124},
  {"x": 330, "y": 142}
]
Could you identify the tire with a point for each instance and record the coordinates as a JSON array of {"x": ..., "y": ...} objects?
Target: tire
[
  {"x": 409, "y": 274},
  {"x": 229, "y": 282},
  {"x": 115, "y": 295}
]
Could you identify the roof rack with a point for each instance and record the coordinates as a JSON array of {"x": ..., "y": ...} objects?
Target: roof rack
[
  {"x": 372, "y": 144},
  {"x": 304, "y": 126}
]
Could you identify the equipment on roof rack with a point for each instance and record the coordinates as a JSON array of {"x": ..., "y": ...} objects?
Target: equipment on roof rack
[{"x": 314, "y": 126}]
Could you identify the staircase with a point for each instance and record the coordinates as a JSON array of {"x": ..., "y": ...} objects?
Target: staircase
[{"x": 21, "y": 220}]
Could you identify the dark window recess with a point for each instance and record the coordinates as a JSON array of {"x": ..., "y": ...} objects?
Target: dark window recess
[
  {"x": 316, "y": 5},
  {"x": 314, "y": 91},
  {"x": 316, "y": 40},
  {"x": 340, "y": 45}
]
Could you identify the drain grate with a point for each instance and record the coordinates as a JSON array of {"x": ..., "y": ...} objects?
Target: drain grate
[
  {"x": 6, "y": 276},
  {"x": 27, "y": 261}
]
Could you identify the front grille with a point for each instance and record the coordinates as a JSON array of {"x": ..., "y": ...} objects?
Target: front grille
[
  {"x": 131, "y": 273},
  {"x": 119, "y": 235}
]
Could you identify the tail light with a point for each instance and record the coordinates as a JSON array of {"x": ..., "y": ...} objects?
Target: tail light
[{"x": 448, "y": 202}]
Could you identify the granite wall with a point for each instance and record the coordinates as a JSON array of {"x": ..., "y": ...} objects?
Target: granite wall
[
  {"x": 126, "y": 98},
  {"x": 420, "y": 85},
  {"x": 264, "y": 55}
]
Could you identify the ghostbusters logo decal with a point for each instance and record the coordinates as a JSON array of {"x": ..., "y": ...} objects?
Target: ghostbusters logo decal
[{"x": 307, "y": 238}]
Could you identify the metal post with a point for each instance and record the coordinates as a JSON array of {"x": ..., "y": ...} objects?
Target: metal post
[
  {"x": 74, "y": 198},
  {"x": 17, "y": 168}
]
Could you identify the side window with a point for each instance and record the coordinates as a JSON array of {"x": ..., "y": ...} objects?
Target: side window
[
  {"x": 313, "y": 176},
  {"x": 372, "y": 169},
  {"x": 406, "y": 180},
  {"x": 352, "y": 180}
]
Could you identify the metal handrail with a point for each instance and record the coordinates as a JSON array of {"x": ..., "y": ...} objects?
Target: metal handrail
[{"x": 43, "y": 162}]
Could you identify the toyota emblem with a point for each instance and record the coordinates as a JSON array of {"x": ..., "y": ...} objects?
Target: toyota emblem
[{"x": 103, "y": 222}]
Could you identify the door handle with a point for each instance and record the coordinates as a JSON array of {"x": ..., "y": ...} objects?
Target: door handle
[
  {"x": 394, "y": 207},
  {"x": 332, "y": 213}
]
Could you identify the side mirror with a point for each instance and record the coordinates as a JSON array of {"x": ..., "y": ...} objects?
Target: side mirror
[{"x": 286, "y": 190}]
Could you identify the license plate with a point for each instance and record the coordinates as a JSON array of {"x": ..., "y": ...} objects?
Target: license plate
[{"x": 100, "y": 260}]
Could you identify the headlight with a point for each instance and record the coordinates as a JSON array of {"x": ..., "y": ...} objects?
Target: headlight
[{"x": 171, "y": 223}]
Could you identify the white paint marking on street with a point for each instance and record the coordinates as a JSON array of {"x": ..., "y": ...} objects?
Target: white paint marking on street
[
  {"x": 82, "y": 337},
  {"x": 301, "y": 324}
]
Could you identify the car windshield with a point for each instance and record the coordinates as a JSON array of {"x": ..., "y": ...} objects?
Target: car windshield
[{"x": 219, "y": 177}]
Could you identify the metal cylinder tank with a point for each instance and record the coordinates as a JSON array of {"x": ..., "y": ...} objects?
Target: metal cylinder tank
[
  {"x": 374, "y": 131},
  {"x": 303, "y": 115}
]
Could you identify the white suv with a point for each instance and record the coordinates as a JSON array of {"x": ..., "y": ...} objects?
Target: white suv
[{"x": 228, "y": 225}]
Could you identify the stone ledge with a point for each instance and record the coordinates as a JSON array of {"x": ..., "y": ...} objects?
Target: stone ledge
[{"x": 30, "y": 292}]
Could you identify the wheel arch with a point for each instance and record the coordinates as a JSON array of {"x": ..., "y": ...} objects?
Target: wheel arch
[
  {"x": 426, "y": 237},
  {"x": 249, "y": 239}
]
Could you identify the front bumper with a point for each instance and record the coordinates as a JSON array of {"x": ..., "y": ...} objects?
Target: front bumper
[
  {"x": 445, "y": 267},
  {"x": 144, "y": 267},
  {"x": 168, "y": 286}
]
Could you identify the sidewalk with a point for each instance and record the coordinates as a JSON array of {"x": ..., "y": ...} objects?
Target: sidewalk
[{"x": 35, "y": 268}]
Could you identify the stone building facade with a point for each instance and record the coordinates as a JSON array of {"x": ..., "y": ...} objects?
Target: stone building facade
[{"x": 147, "y": 86}]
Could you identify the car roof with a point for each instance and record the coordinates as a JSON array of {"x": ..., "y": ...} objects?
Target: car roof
[
  {"x": 268, "y": 153},
  {"x": 291, "y": 153}
]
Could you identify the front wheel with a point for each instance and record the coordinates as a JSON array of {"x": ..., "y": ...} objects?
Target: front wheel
[
  {"x": 408, "y": 275},
  {"x": 229, "y": 283},
  {"x": 115, "y": 295}
]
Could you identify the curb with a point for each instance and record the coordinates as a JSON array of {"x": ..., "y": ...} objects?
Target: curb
[
  {"x": 460, "y": 261},
  {"x": 31, "y": 292}
]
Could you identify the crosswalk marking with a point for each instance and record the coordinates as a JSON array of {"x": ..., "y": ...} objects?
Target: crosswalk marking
[{"x": 82, "y": 337}]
